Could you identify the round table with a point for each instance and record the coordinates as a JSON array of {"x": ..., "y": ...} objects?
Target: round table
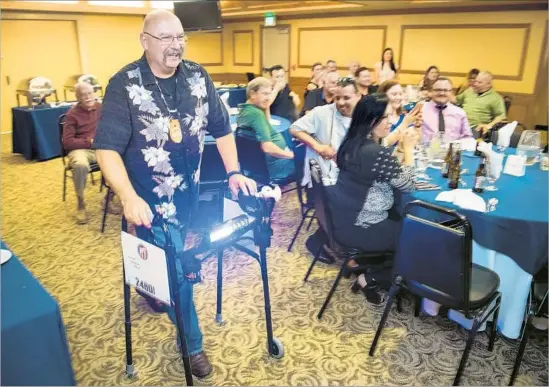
[{"x": 512, "y": 240}]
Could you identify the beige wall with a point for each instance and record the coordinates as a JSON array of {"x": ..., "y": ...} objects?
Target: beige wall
[{"x": 507, "y": 43}]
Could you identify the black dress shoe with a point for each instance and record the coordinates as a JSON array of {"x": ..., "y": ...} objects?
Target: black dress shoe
[
  {"x": 371, "y": 291},
  {"x": 200, "y": 365}
]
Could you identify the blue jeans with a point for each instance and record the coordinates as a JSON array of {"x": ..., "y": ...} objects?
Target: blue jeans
[{"x": 193, "y": 335}]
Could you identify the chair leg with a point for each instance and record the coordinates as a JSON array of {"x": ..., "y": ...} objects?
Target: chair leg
[
  {"x": 494, "y": 326},
  {"x": 64, "y": 186},
  {"x": 107, "y": 199},
  {"x": 465, "y": 356},
  {"x": 520, "y": 353},
  {"x": 398, "y": 297},
  {"x": 311, "y": 222},
  {"x": 392, "y": 293},
  {"x": 417, "y": 306},
  {"x": 334, "y": 287},
  {"x": 102, "y": 184},
  {"x": 296, "y": 233},
  {"x": 92, "y": 178},
  {"x": 312, "y": 264}
]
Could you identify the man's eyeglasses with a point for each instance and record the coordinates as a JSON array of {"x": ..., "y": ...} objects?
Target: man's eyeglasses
[
  {"x": 442, "y": 90},
  {"x": 168, "y": 40}
]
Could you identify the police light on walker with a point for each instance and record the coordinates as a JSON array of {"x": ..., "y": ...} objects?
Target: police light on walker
[{"x": 257, "y": 207}]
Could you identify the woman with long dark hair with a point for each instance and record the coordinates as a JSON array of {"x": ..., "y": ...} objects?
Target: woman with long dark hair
[
  {"x": 386, "y": 69},
  {"x": 362, "y": 199},
  {"x": 431, "y": 75}
]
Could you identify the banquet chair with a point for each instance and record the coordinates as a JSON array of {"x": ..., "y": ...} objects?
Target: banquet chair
[
  {"x": 434, "y": 261},
  {"x": 515, "y": 137},
  {"x": 376, "y": 260},
  {"x": 253, "y": 163},
  {"x": 507, "y": 101},
  {"x": 67, "y": 169},
  {"x": 537, "y": 299}
]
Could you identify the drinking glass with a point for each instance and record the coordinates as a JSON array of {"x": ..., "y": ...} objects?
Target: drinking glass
[
  {"x": 421, "y": 162},
  {"x": 492, "y": 175}
]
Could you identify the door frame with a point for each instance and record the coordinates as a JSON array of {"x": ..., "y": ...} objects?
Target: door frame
[{"x": 261, "y": 27}]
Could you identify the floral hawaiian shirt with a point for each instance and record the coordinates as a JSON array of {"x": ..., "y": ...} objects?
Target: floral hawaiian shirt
[{"x": 135, "y": 122}]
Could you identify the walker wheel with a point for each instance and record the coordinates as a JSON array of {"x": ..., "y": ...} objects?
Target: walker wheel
[{"x": 277, "y": 349}]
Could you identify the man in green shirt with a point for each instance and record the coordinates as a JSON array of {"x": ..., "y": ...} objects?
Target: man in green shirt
[
  {"x": 482, "y": 104},
  {"x": 253, "y": 121}
]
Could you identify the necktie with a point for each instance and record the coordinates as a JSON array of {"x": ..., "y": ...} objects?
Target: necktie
[{"x": 441, "y": 124}]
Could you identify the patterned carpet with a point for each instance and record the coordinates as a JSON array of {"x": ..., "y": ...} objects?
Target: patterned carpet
[{"x": 81, "y": 268}]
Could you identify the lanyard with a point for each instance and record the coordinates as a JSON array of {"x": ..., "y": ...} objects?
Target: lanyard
[{"x": 171, "y": 111}]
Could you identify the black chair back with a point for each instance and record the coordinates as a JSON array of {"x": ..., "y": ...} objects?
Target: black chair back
[
  {"x": 252, "y": 158},
  {"x": 320, "y": 200},
  {"x": 61, "y": 125},
  {"x": 515, "y": 137},
  {"x": 250, "y": 76},
  {"x": 212, "y": 168},
  {"x": 507, "y": 101},
  {"x": 434, "y": 259}
]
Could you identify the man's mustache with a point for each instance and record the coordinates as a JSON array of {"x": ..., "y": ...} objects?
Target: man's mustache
[{"x": 173, "y": 52}]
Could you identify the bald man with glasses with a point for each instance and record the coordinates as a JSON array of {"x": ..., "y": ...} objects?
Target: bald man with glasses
[{"x": 149, "y": 142}]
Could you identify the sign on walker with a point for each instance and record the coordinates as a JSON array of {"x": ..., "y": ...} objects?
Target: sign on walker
[{"x": 145, "y": 267}]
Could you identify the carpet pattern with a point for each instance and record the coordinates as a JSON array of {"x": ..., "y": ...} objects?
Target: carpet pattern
[{"x": 82, "y": 269}]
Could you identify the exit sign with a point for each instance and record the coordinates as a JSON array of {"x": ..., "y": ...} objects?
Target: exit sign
[{"x": 270, "y": 19}]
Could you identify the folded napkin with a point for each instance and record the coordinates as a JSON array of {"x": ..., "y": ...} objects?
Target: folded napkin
[
  {"x": 464, "y": 198},
  {"x": 233, "y": 111},
  {"x": 505, "y": 133},
  {"x": 274, "y": 122},
  {"x": 468, "y": 144}
]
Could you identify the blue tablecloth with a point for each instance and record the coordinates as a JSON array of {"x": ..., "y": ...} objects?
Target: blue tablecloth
[
  {"x": 34, "y": 345},
  {"x": 236, "y": 95},
  {"x": 36, "y": 133},
  {"x": 512, "y": 240}
]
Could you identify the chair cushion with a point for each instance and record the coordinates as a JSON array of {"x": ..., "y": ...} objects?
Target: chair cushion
[{"x": 484, "y": 284}]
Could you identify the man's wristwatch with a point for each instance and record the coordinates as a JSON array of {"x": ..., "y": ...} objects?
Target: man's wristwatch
[{"x": 232, "y": 173}]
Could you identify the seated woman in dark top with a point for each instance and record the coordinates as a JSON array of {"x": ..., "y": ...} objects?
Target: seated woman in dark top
[{"x": 362, "y": 198}]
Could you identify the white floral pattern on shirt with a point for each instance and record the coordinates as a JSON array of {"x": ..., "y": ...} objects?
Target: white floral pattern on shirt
[{"x": 157, "y": 129}]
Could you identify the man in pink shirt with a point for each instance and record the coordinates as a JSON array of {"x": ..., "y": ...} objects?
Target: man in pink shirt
[{"x": 441, "y": 116}]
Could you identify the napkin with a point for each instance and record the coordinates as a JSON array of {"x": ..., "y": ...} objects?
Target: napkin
[
  {"x": 505, "y": 133},
  {"x": 468, "y": 144},
  {"x": 464, "y": 198},
  {"x": 274, "y": 122}
]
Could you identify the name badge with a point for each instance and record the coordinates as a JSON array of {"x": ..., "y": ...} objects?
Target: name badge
[{"x": 145, "y": 268}]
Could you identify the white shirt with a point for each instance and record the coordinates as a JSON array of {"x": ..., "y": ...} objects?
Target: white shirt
[
  {"x": 328, "y": 126},
  {"x": 385, "y": 72}
]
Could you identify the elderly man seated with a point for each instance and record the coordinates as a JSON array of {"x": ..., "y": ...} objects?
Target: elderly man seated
[
  {"x": 483, "y": 105},
  {"x": 253, "y": 121},
  {"x": 78, "y": 134},
  {"x": 441, "y": 116}
]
